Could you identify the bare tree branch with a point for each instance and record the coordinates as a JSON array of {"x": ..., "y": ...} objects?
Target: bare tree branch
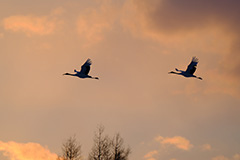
[
  {"x": 71, "y": 150},
  {"x": 119, "y": 152},
  {"x": 101, "y": 146}
]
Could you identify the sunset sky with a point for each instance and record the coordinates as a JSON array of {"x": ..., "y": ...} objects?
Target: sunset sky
[{"x": 133, "y": 45}]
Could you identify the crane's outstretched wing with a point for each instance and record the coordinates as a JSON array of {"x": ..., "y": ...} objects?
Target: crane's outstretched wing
[
  {"x": 192, "y": 66},
  {"x": 85, "y": 68}
]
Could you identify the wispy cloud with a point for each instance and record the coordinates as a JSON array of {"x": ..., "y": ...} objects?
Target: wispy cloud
[
  {"x": 94, "y": 22},
  {"x": 177, "y": 141},
  {"x": 26, "y": 151},
  {"x": 206, "y": 147},
  {"x": 32, "y": 24},
  {"x": 150, "y": 155},
  {"x": 235, "y": 157}
]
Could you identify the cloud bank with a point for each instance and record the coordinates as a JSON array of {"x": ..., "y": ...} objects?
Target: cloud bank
[
  {"x": 206, "y": 27},
  {"x": 26, "y": 151}
]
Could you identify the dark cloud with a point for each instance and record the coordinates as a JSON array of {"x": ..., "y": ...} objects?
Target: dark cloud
[{"x": 174, "y": 16}]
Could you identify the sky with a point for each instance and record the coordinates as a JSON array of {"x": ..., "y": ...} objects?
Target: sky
[{"x": 133, "y": 45}]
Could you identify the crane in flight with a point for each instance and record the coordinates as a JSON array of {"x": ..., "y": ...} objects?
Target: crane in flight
[
  {"x": 83, "y": 73},
  {"x": 190, "y": 69}
]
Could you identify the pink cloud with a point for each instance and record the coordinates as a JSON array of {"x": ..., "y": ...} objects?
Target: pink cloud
[
  {"x": 33, "y": 25},
  {"x": 235, "y": 157},
  {"x": 93, "y": 23},
  {"x": 177, "y": 141},
  {"x": 150, "y": 155},
  {"x": 206, "y": 147},
  {"x": 26, "y": 151}
]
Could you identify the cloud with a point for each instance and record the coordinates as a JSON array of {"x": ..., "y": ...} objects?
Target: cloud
[
  {"x": 151, "y": 159},
  {"x": 220, "y": 158},
  {"x": 26, "y": 151},
  {"x": 235, "y": 157},
  {"x": 209, "y": 28},
  {"x": 177, "y": 141},
  {"x": 94, "y": 22},
  {"x": 206, "y": 147},
  {"x": 172, "y": 17},
  {"x": 33, "y": 25},
  {"x": 150, "y": 155}
]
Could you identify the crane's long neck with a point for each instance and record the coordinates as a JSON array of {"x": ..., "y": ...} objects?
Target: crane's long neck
[
  {"x": 70, "y": 74},
  {"x": 172, "y": 72}
]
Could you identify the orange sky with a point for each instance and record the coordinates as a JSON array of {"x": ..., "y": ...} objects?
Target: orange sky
[{"x": 133, "y": 44}]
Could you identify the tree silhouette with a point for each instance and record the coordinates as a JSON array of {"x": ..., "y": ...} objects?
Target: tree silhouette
[
  {"x": 101, "y": 146},
  {"x": 119, "y": 152},
  {"x": 105, "y": 148},
  {"x": 71, "y": 150}
]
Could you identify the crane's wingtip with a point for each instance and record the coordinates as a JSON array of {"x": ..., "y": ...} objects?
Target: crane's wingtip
[
  {"x": 89, "y": 61},
  {"x": 195, "y": 59}
]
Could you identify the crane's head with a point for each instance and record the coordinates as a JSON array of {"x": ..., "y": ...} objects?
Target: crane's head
[
  {"x": 66, "y": 74},
  {"x": 171, "y": 72},
  {"x": 75, "y": 70}
]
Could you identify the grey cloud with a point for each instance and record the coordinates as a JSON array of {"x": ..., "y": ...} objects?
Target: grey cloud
[{"x": 174, "y": 16}]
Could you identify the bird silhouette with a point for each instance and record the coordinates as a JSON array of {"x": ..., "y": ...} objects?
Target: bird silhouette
[
  {"x": 83, "y": 73},
  {"x": 190, "y": 69}
]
